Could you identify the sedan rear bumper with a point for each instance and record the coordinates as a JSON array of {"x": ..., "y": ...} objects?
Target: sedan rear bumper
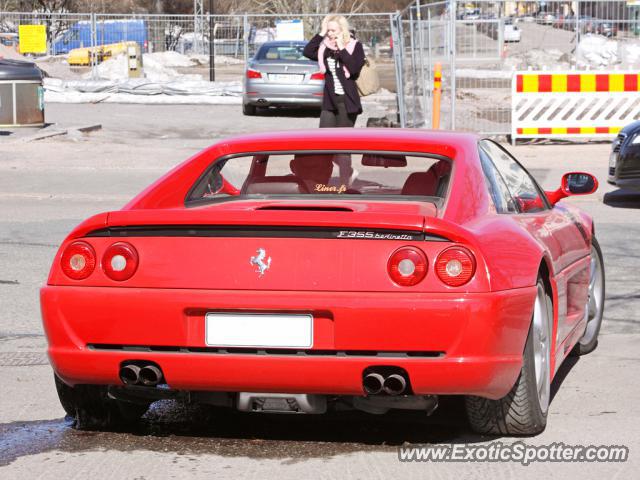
[
  {"x": 271, "y": 99},
  {"x": 447, "y": 343}
]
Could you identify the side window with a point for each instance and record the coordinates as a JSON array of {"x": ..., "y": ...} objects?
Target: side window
[
  {"x": 502, "y": 199},
  {"x": 522, "y": 187}
]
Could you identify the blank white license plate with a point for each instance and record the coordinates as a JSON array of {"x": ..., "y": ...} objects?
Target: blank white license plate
[
  {"x": 285, "y": 78},
  {"x": 258, "y": 330}
]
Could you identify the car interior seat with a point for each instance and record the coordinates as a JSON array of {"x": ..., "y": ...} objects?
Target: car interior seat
[{"x": 431, "y": 183}]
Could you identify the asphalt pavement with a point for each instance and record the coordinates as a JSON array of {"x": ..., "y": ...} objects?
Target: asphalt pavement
[{"x": 50, "y": 185}]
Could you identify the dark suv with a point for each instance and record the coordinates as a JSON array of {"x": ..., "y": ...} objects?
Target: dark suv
[{"x": 624, "y": 161}]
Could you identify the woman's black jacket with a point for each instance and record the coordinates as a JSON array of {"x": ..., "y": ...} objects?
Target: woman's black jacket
[{"x": 353, "y": 62}]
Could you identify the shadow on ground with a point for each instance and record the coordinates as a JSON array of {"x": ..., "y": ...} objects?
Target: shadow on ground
[
  {"x": 290, "y": 113},
  {"x": 622, "y": 199},
  {"x": 170, "y": 426}
]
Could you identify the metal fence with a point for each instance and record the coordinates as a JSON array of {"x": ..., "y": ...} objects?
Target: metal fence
[
  {"x": 484, "y": 41},
  {"x": 234, "y": 35},
  {"x": 479, "y": 44},
  {"x": 56, "y": 25},
  {"x": 236, "y": 38}
]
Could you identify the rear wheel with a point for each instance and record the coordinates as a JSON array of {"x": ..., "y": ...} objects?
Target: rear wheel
[
  {"x": 595, "y": 304},
  {"x": 523, "y": 411},
  {"x": 249, "y": 110},
  {"x": 93, "y": 409}
]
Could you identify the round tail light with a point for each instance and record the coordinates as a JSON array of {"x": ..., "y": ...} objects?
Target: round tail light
[
  {"x": 407, "y": 266},
  {"x": 120, "y": 261},
  {"x": 455, "y": 266},
  {"x": 78, "y": 260}
]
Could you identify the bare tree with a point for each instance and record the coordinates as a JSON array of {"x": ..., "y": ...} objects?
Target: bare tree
[
  {"x": 308, "y": 6},
  {"x": 49, "y": 6},
  {"x": 7, "y": 5},
  {"x": 222, "y": 6}
]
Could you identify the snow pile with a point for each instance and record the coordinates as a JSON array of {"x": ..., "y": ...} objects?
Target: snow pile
[
  {"x": 536, "y": 59},
  {"x": 10, "y": 53},
  {"x": 173, "y": 59},
  {"x": 168, "y": 59},
  {"x": 596, "y": 51},
  {"x": 630, "y": 55},
  {"x": 155, "y": 68},
  {"x": 142, "y": 90}
]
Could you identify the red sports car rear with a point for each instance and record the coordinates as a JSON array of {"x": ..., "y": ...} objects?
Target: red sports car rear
[{"x": 290, "y": 272}]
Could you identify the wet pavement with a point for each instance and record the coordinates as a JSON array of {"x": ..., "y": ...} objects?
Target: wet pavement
[
  {"x": 49, "y": 186},
  {"x": 196, "y": 430}
]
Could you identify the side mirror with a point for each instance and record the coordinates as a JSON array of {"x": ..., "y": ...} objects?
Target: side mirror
[
  {"x": 573, "y": 183},
  {"x": 578, "y": 183}
]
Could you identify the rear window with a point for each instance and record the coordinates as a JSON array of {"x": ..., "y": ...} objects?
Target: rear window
[
  {"x": 324, "y": 174},
  {"x": 282, "y": 52}
]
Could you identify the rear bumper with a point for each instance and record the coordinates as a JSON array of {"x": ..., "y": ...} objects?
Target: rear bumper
[
  {"x": 481, "y": 337},
  {"x": 270, "y": 99}
]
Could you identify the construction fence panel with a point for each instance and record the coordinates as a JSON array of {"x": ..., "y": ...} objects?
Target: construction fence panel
[
  {"x": 426, "y": 33},
  {"x": 494, "y": 38},
  {"x": 373, "y": 30},
  {"x": 185, "y": 34},
  {"x": 574, "y": 104},
  {"x": 63, "y": 29}
]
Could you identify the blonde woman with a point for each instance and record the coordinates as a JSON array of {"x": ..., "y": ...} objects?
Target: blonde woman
[{"x": 340, "y": 57}]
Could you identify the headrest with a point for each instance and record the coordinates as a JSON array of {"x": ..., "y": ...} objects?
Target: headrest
[
  {"x": 315, "y": 167},
  {"x": 288, "y": 184}
]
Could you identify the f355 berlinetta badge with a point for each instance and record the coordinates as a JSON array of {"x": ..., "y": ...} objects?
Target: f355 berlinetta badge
[{"x": 259, "y": 262}]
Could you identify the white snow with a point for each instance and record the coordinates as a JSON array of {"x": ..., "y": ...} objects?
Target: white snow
[
  {"x": 630, "y": 55},
  {"x": 85, "y": 97},
  {"x": 168, "y": 59},
  {"x": 155, "y": 66},
  {"x": 142, "y": 90},
  {"x": 537, "y": 59},
  {"x": 596, "y": 51}
]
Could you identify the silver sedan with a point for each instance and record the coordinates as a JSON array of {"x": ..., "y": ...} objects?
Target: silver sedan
[{"x": 279, "y": 75}]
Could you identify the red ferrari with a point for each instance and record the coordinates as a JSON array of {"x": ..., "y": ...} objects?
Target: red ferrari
[{"x": 305, "y": 271}]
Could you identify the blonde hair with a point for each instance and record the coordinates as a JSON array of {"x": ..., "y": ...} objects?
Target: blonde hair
[{"x": 342, "y": 23}]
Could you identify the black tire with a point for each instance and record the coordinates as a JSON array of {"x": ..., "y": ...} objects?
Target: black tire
[
  {"x": 65, "y": 395},
  {"x": 92, "y": 409},
  {"x": 583, "y": 349},
  {"x": 249, "y": 110},
  {"x": 519, "y": 412}
]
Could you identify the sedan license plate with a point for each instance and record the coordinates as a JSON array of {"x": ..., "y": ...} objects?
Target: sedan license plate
[
  {"x": 613, "y": 158},
  {"x": 285, "y": 77},
  {"x": 258, "y": 330}
]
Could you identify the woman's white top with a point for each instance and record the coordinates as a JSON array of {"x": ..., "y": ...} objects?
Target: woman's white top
[{"x": 337, "y": 86}]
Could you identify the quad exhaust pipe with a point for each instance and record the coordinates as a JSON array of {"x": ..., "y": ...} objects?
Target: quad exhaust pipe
[
  {"x": 150, "y": 376},
  {"x": 394, "y": 384},
  {"x": 375, "y": 383},
  {"x": 135, "y": 374},
  {"x": 130, "y": 374}
]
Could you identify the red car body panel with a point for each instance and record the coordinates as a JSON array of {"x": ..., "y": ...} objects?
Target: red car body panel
[
  {"x": 456, "y": 325},
  {"x": 450, "y": 340}
]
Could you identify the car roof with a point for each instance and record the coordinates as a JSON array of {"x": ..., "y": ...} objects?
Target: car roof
[{"x": 440, "y": 142}]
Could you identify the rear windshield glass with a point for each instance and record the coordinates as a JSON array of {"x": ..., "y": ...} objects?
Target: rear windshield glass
[
  {"x": 282, "y": 52},
  {"x": 330, "y": 174}
]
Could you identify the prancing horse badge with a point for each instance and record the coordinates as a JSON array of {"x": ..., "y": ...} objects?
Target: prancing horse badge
[{"x": 259, "y": 261}]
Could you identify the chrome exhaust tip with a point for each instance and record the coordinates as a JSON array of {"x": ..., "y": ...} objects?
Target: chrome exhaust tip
[
  {"x": 394, "y": 384},
  {"x": 373, "y": 383},
  {"x": 130, "y": 374},
  {"x": 150, "y": 376}
]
